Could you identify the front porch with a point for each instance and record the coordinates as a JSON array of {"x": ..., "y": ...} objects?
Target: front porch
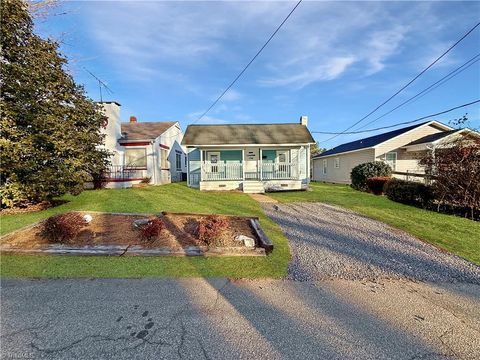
[{"x": 254, "y": 170}]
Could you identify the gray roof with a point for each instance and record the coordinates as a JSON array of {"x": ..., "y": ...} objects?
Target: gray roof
[
  {"x": 368, "y": 142},
  {"x": 145, "y": 130},
  {"x": 247, "y": 134},
  {"x": 433, "y": 137}
]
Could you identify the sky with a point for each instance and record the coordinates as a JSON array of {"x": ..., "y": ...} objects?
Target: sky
[{"x": 332, "y": 61}]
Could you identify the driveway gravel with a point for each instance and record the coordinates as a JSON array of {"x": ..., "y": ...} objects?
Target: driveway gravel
[{"x": 331, "y": 242}]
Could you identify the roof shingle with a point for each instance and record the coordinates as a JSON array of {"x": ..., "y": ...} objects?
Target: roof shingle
[
  {"x": 247, "y": 134},
  {"x": 145, "y": 130}
]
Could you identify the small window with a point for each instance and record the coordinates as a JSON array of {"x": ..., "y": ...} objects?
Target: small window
[
  {"x": 391, "y": 159},
  {"x": 136, "y": 158},
  {"x": 178, "y": 162},
  {"x": 324, "y": 170},
  {"x": 336, "y": 163},
  {"x": 282, "y": 156},
  {"x": 164, "y": 159}
]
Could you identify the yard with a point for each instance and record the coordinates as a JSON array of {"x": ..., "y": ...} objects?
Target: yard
[
  {"x": 172, "y": 198},
  {"x": 457, "y": 235}
]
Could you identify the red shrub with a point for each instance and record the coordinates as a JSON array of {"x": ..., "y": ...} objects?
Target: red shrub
[
  {"x": 152, "y": 229},
  {"x": 376, "y": 184},
  {"x": 210, "y": 228},
  {"x": 63, "y": 227}
]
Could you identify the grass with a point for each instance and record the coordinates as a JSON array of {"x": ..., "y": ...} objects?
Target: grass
[
  {"x": 172, "y": 197},
  {"x": 454, "y": 234}
]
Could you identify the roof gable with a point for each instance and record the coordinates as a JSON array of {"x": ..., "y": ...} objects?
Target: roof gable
[
  {"x": 375, "y": 140},
  {"x": 144, "y": 130},
  {"x": 241, "y": 134}
]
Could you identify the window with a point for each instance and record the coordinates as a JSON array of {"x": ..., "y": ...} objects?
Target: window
[
  {"x": 336, "y": 163},
  {"x": 391, "y": 159},
  {"x": 136, "y": 158},
  {"x": 164, "y": 159},
  {"x": 282, "y": 156},
  {"x": 324, "y": 169},
  {"x": 178, "y": 161}
]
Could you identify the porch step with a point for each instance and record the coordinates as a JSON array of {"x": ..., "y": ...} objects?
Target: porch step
[{"x": 253, "y": 187}]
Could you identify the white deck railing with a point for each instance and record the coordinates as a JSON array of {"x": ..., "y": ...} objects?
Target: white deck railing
[
  {"x": 234, "y": 171},
  {"x": 278, "y": 171},
  {"x": 221, "y": 171}
]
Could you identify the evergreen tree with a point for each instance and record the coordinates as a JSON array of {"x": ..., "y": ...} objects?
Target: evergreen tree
[{"x": 50, "y": 130}]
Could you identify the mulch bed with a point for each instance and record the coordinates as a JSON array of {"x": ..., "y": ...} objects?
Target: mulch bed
[{"x": 117, "y": 229}]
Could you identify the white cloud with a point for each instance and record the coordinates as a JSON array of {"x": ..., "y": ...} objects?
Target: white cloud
[
  {"x": 181, "y": 42},
  {"x": 328, "y": 71}
]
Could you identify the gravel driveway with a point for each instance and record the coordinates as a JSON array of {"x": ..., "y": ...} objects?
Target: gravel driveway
[{"x": 331, "y": 242}]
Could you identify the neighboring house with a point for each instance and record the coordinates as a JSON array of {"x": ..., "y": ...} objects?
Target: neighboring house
[
  {"x": 400, "y": 148},
  {"x": 142, "y": 150},
  {"x": 253, "y": 158}
]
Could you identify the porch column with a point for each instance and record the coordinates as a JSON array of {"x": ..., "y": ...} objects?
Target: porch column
[
  {"x": 260, "y": 163},
  {"x": 299, "y": 152},
  {"x": 201, "y": 164},
  {"x": 243, "y": 164}
]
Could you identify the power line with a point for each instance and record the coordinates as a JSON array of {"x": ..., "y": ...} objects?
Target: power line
[
  {"x": 398, "y": 124},
  {"x": 250, "y": 62},
  {"x": 100, "y": 83},
  {"x": 410, "y": 82},
  {"x": 430, "y": 88}
]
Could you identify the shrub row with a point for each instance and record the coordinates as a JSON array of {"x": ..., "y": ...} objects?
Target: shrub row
[
  {"x": 409, "y": 192},
  {"x": 362, "y": 172}
]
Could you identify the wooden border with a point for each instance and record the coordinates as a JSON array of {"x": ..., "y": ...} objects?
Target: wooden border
[{"x": 265, "y": 241}]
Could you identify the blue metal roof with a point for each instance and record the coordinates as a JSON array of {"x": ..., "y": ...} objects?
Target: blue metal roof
[{"x": 369, "y": 141}]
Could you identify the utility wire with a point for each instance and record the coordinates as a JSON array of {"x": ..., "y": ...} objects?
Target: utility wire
[
  {"x": 407, "y": 84},
  {"x": 247, "y": 66},
  {"x": 100, "y": 83},
  {"x": 430, "y": 88},
  {"x": 398, "y": 124}
]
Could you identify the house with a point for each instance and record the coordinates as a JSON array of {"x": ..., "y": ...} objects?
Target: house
[
  {"x": 253, "y": 158},
  {"x": 142, "y": 150},
  {"x": 400, "y": 148}
]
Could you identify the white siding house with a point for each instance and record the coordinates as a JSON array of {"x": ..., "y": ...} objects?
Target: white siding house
[
  {"x": 142, "y": 150},
  {"x": 253, "y": 158},
  {"x": 394, "y": 147}
]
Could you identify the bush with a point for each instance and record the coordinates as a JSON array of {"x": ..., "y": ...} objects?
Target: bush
[
  {"x": 376, "y": 184},
  {"x": 152, "y": 229},
  {"x": 409, "y": 192},
  {"x": 362, "y": 172},
  {"x": 146, "y": 180},
  {"x": 210, "y": 228},
  {"x": 11, "y": 195},
  {"x": 64, "y": 227}
]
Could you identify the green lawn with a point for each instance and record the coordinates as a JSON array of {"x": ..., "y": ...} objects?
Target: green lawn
[
  {"x": 457, "y": 235},
  {"x": 173, "y": 197}
]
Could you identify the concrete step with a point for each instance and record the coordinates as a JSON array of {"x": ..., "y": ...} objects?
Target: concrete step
[{"x": 253, "y": 187}]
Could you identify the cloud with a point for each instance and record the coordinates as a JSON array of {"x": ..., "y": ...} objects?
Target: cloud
[
  {"x": 328, "y": 71},
  {"x": 199, "y": 46}
]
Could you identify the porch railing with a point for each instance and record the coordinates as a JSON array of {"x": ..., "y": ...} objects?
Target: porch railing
[
  {"x": 278, "y": 171},
  {"x": 262, "y": 171},
  {"x": 120, "y": 172},
  {"x": 221, "y": 171}
]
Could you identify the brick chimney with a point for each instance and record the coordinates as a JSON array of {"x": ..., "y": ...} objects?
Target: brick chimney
[
  {"x": 304, "y": 120},
  {"x": 133, "y": 119}
]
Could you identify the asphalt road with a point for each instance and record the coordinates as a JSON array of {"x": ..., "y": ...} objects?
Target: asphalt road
[{"x": 220, "y": 319}]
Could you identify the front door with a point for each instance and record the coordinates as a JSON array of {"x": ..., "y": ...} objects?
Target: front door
[
  {"x": 251, "y": 163},
  {"x": 213, "y": 157}
]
